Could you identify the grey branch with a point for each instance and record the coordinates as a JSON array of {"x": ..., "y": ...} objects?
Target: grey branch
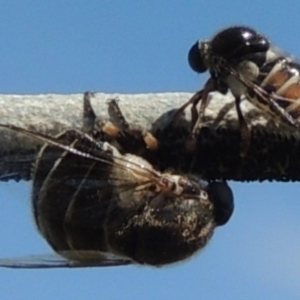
[{"x": 273, "y": 154}]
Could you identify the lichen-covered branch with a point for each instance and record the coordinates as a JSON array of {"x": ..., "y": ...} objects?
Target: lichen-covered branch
[{"x": 273, "y": 154}]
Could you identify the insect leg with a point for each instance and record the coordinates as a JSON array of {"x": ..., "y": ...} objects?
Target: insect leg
[
  {"x": 197, "y": 117},
  {"x": 210, "y": 86},
  {"x": 89, "y": 116},
  {"x": 196, "y": 98},
  {"x": 90, "y": 121},
  {"x": 116, "y": 116},
  {"x": 244, "y": 130},
  {"x": 129, "y": 137}
]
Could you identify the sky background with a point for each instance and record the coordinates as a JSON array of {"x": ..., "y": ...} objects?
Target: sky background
[{"x": 138, "y": 47}]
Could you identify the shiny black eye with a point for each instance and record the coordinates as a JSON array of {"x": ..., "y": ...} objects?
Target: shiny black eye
[
  {"x": 196, "y": 60},
  {"x": 238, "y": 42},
  {"x": 222, "y": 197}
]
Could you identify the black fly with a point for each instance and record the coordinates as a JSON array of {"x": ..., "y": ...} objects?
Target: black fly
[
  {"x": 99, "y": 206},
  {"x": 243, "y": 61}
]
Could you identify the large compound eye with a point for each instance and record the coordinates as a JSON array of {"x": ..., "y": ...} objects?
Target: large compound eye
[
  {"x": 237, "y": 42},
  {"x": 196, "y": 60},
  {"x": 222, "y": 197}
]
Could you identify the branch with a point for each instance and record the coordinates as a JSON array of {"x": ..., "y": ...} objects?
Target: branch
[{"x": 273, "y": 154}]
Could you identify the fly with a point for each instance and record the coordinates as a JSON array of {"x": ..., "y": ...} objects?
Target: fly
[
  {"x": 96, "y": 205},
  {"x": 245, "y": 62}
]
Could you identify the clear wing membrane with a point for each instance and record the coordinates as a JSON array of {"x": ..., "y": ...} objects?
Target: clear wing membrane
[
  {"x": 91, "y": 197},
  {"x": 53, "y": 261},
  {"x": 73, "y": 177}
]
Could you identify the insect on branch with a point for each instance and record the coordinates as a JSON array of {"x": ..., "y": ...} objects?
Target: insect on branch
[{"x": 273, "y": 154}]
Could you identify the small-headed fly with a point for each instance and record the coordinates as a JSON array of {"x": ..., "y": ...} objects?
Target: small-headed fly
[
  {"x": 243, "y": 61},
  {"x": 97, "y": 206}
]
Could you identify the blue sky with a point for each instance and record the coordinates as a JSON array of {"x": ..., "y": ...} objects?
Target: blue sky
[{"x": 136, "y": 47}]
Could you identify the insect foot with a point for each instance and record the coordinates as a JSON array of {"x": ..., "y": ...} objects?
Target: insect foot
[{"x": 128, "y": 138}]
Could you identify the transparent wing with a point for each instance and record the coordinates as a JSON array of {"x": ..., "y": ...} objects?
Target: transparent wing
[
  {"x": 52, "y": 261},
  {"x": 73, "y": 183}
]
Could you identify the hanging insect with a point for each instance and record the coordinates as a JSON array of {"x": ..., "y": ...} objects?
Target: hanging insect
[
  {"x": 96, "y": 206},
  {"x": 243, "y": 61}
]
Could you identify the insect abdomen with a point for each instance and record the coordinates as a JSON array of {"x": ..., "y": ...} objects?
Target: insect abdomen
[
  {"x": 280, "y": 78},
  {"x": 159, "y": 236}
]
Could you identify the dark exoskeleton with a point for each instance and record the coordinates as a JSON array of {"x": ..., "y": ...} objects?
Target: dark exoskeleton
[
  {"x": 243, "y": 61},
  {"x": 98, "y": 205}
]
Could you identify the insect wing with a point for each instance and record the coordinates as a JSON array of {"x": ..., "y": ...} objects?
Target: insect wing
[
  {"x": 90, "y": 199},
  {"x": 55, "y": 261},
  {"x": 72, "y": 192},
  {"x": 271, "y": 102}
]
